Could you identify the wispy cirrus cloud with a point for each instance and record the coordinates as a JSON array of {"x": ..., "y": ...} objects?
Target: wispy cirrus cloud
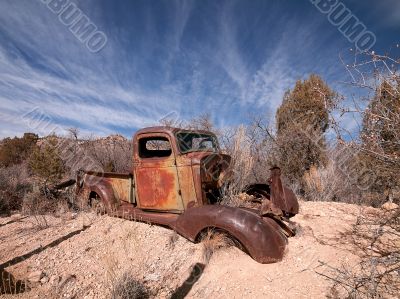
[
  {"x": 227, "y": 58},
  {"x": 71, "y": 85}
]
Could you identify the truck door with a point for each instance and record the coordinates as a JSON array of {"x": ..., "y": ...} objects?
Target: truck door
[{"x": 156, "y": 176}]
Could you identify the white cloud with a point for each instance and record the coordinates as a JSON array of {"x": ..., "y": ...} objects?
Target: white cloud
[
  {"x": 90, "y": 95},
  {"x": 43, "y": 65}
]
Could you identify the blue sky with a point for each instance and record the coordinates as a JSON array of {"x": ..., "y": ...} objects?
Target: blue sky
[{"x": 231, "y": 59}]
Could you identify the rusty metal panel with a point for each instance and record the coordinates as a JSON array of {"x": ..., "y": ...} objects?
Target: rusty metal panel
[
  {"x": 157, "y": 186},
  {"x": 261, "y": 237},
  {"x": 281, "y": 196},
  {"x": 121, "y": 188},
  {"x": 186, "y": 181},
  {"x": 198, "y": 185},
  {"x": 156, "y": 178},
  {"x": 119, "y": 184}
]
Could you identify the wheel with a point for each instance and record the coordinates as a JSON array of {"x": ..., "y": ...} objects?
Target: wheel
[{"x": 97, "y": 204}]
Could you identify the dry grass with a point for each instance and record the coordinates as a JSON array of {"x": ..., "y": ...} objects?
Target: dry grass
[
  {"x": 10, "y": 285},
  {"x": 377, "y": 242},
  {"x": 214, "y": 241},
  {"x": 173, "y": 239},
  {"x": 240, "y": 168},
  {"x": 127, "y": 287},
  {"x": 13, "y": 185},
  {"x": 125, "y": 277},
  {"x": 322, "y": 184},
  {"x": 34, "y": 204},
  {"x": 39, "y": 206}
]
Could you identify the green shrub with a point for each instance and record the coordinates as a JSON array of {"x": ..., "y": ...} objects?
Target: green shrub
[
  {"x": 46, "y": 162},
  {"x": 16, "y": 150},
  {"x": 301, "y": 122}
]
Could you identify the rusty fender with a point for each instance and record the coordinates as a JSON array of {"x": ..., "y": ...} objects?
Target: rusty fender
[
  {"x": 282, "y": 196},
  {"x": 103, "y": 189},
  {"x": 261, "y": 238}
]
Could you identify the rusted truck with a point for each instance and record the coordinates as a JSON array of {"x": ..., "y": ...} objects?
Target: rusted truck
[{"x": 175, "y": 182}]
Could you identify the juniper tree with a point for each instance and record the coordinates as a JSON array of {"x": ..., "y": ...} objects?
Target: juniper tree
[
  {"x": 301, "y": 121},
  {"x": 46, "y": 162},
  {"x": 380, "y": 138}
]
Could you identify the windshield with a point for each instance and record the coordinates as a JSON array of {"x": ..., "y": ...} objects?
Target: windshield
[{"x": 196, "y": 142}]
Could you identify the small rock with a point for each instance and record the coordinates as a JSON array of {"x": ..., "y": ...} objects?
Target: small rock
[
  {"x": 15, "y": 216},
  {"x": 35, "y": 276},
  {"x": 44, "y": 279},
  {"x": 388, "y": 206},
  {"x": 54, "y": 279},
  {"x": 152, "y": 277},
  {"x": 66, "y": 279}
]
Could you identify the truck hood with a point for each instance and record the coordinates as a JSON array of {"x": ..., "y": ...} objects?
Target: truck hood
[{"x": 214, "y": 167}]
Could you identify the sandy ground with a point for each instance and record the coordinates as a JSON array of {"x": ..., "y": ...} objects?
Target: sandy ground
[{"x": 81, "y": 256}]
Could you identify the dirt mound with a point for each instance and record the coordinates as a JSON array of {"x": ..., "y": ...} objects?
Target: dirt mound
[{"x": 84, "y": 256}]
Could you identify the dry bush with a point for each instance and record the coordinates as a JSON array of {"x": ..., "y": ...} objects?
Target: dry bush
[
  {"x": 7, "y": 203},
  {"x": 173, "y": 239},
  {"x": 68, "y": 200},
  {"x": 11, "y": 285},
  {"x": 264, "y": 150},
  {"x": 71, "y": 150},
  {"x": 380, "y": 149},
  {"x": 332, "y": 182},
  {"x": 14, "y": 176},
  {"x": 38, "y": 205},
  {"x": 374, "y": 173},
  {"x": 111, "y": 154},
  {"x": 14, "y": 184},
  {"x": 212, "y": 241},
  {"x": 240, "y": 169},
  {"x": 315, "y": 183},
  {"x": 16, "y": 150},
  {"x": 127, "y": 287},
  {"x": 364, "y": 169},
  {"x": 376, "y": 238},
  {"x": 126, "y": 276},
  {"x": 376, "y": 144},
  {"x": 35, "y": 203}
]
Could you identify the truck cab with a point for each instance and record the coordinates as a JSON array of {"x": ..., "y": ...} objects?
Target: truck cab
[{"x": 175, "y": 169}]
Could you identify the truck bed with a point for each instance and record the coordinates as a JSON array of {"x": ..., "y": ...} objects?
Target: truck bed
[{"x": 121, "y": 183}]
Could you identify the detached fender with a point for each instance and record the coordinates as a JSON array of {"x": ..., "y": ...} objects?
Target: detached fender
[{"x": 261, "y": 237}]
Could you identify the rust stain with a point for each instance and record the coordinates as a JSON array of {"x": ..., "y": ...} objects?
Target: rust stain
[
  {"x": 121, "y": 188},
  {"x": 156, "y": 188},
  {"x": 281, "y": 196},
  {"x": 186, "y": 181}
]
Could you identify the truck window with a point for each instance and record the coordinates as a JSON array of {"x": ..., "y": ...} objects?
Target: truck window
[
  {"x": 154, "y": 147},
  {"x": 196, "y": 142}
]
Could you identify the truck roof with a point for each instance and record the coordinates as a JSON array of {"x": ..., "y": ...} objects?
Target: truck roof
[{"x": 167, "y": 129}]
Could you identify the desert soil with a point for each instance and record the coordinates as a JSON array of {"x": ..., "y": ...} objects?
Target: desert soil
[{"x": 83, "y": 255}]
